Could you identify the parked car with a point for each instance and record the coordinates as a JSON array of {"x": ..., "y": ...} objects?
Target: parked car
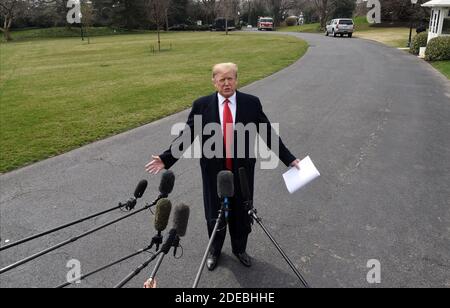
[
  {"x": 266, "y": 23},
  {"x": 340, "y": 27}
]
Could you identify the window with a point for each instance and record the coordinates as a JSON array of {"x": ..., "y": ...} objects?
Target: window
[
  {"x": 438, "y": 20},
  {"x": 435, "y": 20},
  {"x": 446, "y": 25},
  {"x": 348, "y": 22}
]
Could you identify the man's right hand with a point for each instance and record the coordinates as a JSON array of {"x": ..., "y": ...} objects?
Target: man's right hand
[{"x": 155, "y": 166}]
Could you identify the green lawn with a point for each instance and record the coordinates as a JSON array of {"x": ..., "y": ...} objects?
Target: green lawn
[
  {"x": 59, "y": 94},
  {"x": 308, "y": 28},
  {"x": 443, "y": 67},
  {"x": 393, "y": 37},
  {"x": 62, "y": 32}
]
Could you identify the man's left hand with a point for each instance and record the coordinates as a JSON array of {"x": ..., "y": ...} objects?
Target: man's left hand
[{"x": 296, "y": 164}]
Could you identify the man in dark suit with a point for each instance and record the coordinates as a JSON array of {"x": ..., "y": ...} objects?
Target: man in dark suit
[{"x": 227, "y": 108}]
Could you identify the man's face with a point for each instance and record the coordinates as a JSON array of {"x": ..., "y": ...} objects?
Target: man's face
[{"x": 226, "y": 83}]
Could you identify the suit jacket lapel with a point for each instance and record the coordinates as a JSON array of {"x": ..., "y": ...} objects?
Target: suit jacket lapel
[
  {"x": 213, "y": 115},
  {"x": 239, "y": 108}
]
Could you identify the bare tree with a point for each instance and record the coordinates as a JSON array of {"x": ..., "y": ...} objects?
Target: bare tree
[
  {"x": 10, "y": 10},
  {"x": 88, "y": 15},
  {"x": 225, "y": 8},
  {"x": 323, "y": 10},
  {"x": 157, "y": 12},
  {"x": 210, "y": 9},
  {"x": 280, "y": 9}
]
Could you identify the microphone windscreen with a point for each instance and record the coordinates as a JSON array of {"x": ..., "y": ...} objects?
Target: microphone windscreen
[
  {"x": 244, "y": 184},
  {"x": 167, "y": 182},
  {"x": 140, "y": 189},
  {"x": 162, "y": 214},
  {"x": 180, "y": 219},
  {"x": 225, "y": 184}
]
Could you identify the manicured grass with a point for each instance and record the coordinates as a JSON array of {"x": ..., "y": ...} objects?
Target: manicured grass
[
  {"x": 61, "y": 32},
  {"x": 307, "y": 28},
  {"x": 57, "y": 95},
  {"x": 394, "y": 37},
  {"x": 443, "y": 67}
]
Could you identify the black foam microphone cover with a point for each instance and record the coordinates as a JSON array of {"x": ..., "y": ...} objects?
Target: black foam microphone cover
[
  {"x": 225, "y": 184},
  {"x": 180, "y": 219},
  {"x": 167, "y": 183},
  {"x": 162, "y": 214},
  {"x": 243, "y": 179},
  {"x": 140, "y": 189}
]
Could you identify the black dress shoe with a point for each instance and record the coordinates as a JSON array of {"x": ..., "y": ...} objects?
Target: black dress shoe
[
  {"x": 211, "y": 261},
  {"x": 244, "y": 258}
]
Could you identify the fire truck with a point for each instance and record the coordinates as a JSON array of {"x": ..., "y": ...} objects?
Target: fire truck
[{"x": 265, "y": 23}]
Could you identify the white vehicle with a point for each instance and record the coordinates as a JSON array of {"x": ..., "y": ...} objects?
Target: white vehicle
[{"x": 340, "y": 27}]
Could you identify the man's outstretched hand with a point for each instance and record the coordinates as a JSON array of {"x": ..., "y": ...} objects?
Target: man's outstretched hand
[
  {"x": 296, "y": 164},
  {"x": 155, "y": 166}
]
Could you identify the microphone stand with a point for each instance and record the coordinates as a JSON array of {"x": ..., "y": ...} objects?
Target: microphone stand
[
  {"x": 105, "y": 267},
  {"x": 254, "y": 214},
  {"x": 128, "y": 206},
  {"x": 211, "y": 240},
  {"x": 137, "y": 271},
  {"x": 164, "y": 250},
  {"x": 48, "y": 250}
]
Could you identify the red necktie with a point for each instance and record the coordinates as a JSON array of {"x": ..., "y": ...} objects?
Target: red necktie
[{"x": 228, "y": 132}]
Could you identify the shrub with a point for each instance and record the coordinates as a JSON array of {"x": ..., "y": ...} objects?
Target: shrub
[
  {"x": 438, "y": 49},
  {"x": 291, "y": 21},
  {"x": 420, "y": 40}
]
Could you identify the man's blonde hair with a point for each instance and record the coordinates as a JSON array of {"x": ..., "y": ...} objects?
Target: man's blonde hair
[{"x": 224, "y": 68}]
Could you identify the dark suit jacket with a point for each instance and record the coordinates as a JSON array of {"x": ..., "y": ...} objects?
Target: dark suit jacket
[{"x": 248, "y": 110}]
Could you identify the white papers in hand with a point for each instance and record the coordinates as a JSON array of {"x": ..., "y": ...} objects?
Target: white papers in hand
[{"x": 296, "y": 179}]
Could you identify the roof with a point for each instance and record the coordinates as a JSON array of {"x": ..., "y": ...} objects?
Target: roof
[{"x": 437, "y": 3}]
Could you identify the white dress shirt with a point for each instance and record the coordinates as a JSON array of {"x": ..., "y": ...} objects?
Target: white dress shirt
[{"x": 232, "y": 104}]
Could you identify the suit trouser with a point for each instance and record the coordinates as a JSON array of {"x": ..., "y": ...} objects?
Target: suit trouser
[{"x": 238, "y": 239}]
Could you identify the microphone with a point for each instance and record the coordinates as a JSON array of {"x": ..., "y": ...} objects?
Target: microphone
[
  {"x": 245, "y": 190},
  {"x": 165, "y": 186},
  {"x": 180, "y": 222},
  {"x": 162, "y": 214},
  {"x": 225, "y": 188},
  {"x": 138, "y": 193},
  {"x": 181, "y": 218},
  {"x": 167, "y": 183}
]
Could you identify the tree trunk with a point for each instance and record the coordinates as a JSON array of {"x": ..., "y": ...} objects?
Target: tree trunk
[
  {"x": 6, "y": 34},
  {"x": 167, "y": 19},
  {"x": 6, "y": 29},
  {"x": 322, "y": 8},
  {"x": 159, "y": 38}
]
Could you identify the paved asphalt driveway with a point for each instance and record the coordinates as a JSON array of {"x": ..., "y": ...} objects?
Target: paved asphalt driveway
[{"x": 375, "y": 120}]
